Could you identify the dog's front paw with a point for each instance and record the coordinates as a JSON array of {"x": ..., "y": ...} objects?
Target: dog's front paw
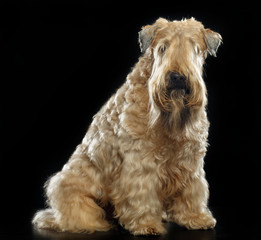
[
  {"x": 149, "y": 230},
  {"x": 197, "y": 221}
]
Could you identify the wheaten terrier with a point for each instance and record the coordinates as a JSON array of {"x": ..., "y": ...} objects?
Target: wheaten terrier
[{"x": 144, "y": 150}]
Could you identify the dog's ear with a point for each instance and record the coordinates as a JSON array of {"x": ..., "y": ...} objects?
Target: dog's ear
[
  {"x": 146, "y": 35},
  {"x": 213, "y": 40}
]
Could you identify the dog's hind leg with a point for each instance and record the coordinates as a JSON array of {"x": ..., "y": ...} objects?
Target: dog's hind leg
[{"x": 74, "y": 195}]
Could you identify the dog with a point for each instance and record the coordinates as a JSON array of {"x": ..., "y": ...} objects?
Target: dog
[{"x": 144, "y": 150}]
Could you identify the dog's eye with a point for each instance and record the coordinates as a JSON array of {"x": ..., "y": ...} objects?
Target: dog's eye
[
  {"x": 197, "y": 49},
  {"x": 162, "y": 49}
]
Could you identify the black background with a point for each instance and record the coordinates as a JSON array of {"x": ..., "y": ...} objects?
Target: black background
[{"x": 61, "y": 61}]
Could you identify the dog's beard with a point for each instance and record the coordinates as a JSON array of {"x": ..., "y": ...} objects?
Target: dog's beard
[
  {"x": 179, "y": 113},
  {"x": 178, "y": 97},
  {"x": 169, "y": 108}
]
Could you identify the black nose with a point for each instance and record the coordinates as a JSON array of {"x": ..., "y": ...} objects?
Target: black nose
[{"x": 177, "y": 81}]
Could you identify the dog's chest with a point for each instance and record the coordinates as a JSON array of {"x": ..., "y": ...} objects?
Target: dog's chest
[{"x": 171, "y": 168}]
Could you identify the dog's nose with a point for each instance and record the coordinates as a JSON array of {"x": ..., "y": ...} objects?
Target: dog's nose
[{"x": 178, "y": 81}]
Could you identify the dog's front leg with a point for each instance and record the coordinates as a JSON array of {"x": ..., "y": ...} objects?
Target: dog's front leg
[
  {"x": 190, "y": 205},
  {"x": 135, "y": 197}
]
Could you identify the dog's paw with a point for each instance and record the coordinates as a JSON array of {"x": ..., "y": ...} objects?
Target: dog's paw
[
  {"x": 197, "y": 221},
  {"x": 149, "y": 230}
]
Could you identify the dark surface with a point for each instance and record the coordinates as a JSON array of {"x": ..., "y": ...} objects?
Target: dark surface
[
  {"x": 233, "y": 223},
  {"x": 61, "y": 62}
]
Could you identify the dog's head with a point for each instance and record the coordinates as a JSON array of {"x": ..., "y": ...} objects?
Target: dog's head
[{"x": 178, "y": 51}]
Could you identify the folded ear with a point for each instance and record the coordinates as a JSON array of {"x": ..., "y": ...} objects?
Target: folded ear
[
  {"x": 147, "y": 33},
  {"x": 213, "y": 40},
  {"x": 145, "y": 38}
]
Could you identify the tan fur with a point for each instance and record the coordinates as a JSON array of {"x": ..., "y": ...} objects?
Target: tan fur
[{"x": 143, "y": 153}]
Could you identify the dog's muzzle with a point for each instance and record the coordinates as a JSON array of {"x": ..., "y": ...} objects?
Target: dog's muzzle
[{"x": 176, "y": 81}]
